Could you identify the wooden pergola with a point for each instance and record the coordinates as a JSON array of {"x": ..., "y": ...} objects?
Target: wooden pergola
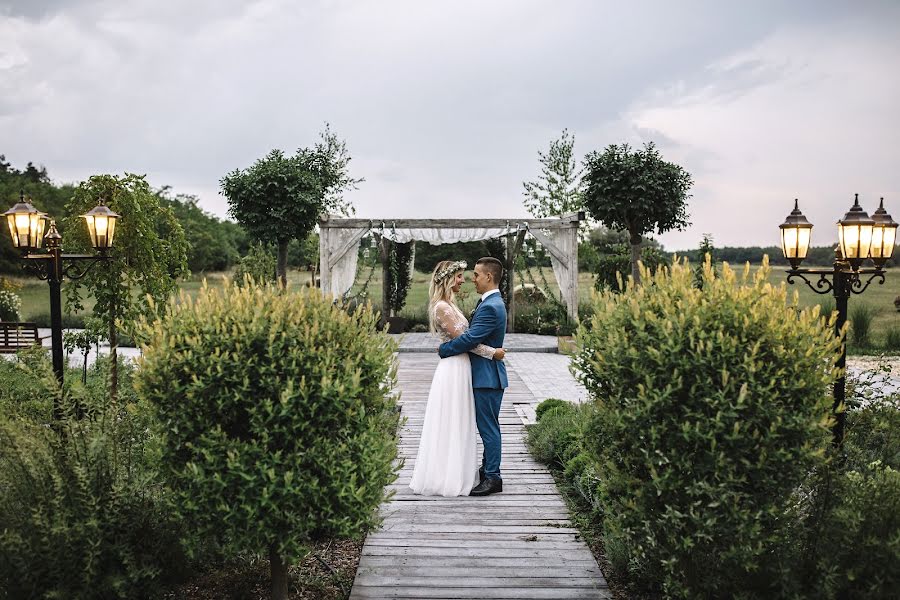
[{"x": 558, "y": 235}]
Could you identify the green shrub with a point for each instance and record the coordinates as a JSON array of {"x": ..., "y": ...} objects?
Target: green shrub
[
  {"x": 712, "y": 405},
  {"x": 80, "y": 515},
  {"x": 278, "y": 414},
  {"x": 851, "y": 518},
  {"x": 258, "y": 266},
  {"x": 612, "y": 267},
  {"x": 10, "y": 305},
  {"x": 556, "y": 437},
  {"x": 850, "y": 527},
  {"x": 29, "y": 386},
  {"x": 861, "y": 315},
  {"x": 547, "y": 404},
  {"x": 892, "y": 338}
]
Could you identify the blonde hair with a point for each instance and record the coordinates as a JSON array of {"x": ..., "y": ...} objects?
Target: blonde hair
[{"x": 440, "y": 287}]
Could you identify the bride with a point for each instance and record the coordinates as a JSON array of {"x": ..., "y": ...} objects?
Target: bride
[{"x": 445, "y": 463}]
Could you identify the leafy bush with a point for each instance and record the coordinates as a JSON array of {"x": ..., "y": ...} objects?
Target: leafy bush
[
  {"x": 81, "y": 516},
  {"x": 556, "y": 437},
  {"x": 849, "y": 516},
  {"x": 29, "y": 386},
  {"x": 547, "y": 404},
  {"x": 610, "y": 267},
  {"x": 278, "y": 414},
  {"x": 10, "y": 305},
  {"x": 712, "y": 405},
  {"x": 861, "y": 315},
  {"x": 258, "y": 266}
]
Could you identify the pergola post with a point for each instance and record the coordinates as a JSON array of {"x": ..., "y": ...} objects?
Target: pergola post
[{"x": 513, "y": 246}]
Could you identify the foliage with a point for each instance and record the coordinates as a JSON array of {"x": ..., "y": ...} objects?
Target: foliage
[
  {"x": 213, "y": 244},
  {"x": 280, "y": 198},
  {"x": 892, "y": 338},
  {"x": 849, "y": 511},
  {"x": 636, "y": 191},
  {"x": 399, "y": 275},
  {"x": 547, "y": 404},
  {"x": 706, "y": 249},
  {"x": 613, "y": 269},
  {"x": 861, "y": 315},
  {"x": 558, "y": 190},
  {"x": 278, "y": 414},
  {"x": 83, "y": 340},
  {"x": 10, "y": 305},
  {"x": 148, "y": 257},
  {"x": 691, "y": 407},
  {"x": 29, "y": 386},
  {"x": 557, "y": 436},
  {"x": 258, "y": 266},
  {"x": 82, "y": 511}
]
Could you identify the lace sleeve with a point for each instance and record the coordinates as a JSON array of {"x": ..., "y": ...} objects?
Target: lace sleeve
[
  {"x": 448, "y": 321},
  {"x": 484, "y": 351},
  {"x": 453, "y": 326}
]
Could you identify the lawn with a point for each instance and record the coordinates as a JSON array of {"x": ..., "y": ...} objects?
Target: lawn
[{"x": 880, "y": 298}]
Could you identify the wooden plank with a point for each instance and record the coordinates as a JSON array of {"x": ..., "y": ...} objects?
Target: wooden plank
[{"x": 516, "y": 544}]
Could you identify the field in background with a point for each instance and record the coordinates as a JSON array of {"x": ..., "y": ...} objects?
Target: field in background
[{"x": 880, "y": 298}]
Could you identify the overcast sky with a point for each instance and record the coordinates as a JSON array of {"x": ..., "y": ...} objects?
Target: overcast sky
[{"x": 444, "y": 105}]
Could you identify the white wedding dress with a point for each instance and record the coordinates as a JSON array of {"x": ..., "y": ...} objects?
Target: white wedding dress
[{"x": 445, "y": 464}]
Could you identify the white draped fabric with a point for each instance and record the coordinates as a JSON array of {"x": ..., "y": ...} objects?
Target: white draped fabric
[
  {"x": 565, "y": 240},
  {"x": 443, "y": 236}
]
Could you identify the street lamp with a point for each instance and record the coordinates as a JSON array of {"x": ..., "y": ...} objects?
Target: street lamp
[
  {"x": 26, "y": 227},
  {"x": 861, "y": 237}
]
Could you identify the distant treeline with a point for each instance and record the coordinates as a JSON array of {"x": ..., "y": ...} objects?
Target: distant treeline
[
  {"x": 215, "y": 244},
  {"x": 820, "y": 256}
]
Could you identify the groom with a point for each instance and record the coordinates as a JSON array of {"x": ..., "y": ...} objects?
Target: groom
[{"x": 488, "y": 376}]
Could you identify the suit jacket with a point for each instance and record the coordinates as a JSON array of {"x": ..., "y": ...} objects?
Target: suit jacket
[{"x": 488, "y": 327}]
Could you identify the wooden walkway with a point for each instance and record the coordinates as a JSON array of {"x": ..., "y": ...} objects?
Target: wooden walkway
[{"x": 515, "y": 544}]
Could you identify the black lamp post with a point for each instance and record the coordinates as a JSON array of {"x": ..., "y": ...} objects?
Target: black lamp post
[
  {"x": 860, "y": 238},
  {"x": 26, "y": 227}
]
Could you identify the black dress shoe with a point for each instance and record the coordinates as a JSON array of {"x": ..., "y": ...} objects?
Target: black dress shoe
[
  {"x": 487, "y": 487},
  {"x": 481, "y": 475}
]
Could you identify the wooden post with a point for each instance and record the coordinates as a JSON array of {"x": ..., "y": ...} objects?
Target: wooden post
[{"x": 512, "y": 251}]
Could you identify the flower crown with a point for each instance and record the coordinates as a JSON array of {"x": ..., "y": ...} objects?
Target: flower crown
[{"x": 441, "y": 275}]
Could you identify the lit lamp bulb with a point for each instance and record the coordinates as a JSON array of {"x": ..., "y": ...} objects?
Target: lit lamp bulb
[
  {"x": 884, "y": 236},
  {"x": 855, "y": 234},
  {"x": 796, "y": 232},
  {"x": 101, "y": 223},
  {"x": 26, "y": 225}
]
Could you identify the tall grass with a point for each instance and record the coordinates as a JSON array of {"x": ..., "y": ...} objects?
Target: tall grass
[
  {"x": 892, "y": 338},
  {"x": 861, "y": 316}
]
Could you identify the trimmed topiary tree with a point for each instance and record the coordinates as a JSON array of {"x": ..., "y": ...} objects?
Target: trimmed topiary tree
[
  {"x": 712, "y": 406},
  {"x": 279, "y": 417}
]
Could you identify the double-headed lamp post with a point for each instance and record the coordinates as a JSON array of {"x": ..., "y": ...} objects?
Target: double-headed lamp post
[
  {"x": 26, "y": 227},
  {"x": 860, "y": 238}
]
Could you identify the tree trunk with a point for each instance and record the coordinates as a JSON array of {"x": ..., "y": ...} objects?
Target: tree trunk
[
  {"x": 635, "y": 257},
  {"x": 279, "y": 574},
  {"x": 281, "y": 265}
]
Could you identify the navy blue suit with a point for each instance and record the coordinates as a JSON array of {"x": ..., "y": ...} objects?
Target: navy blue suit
[{"x": 488, "y": 376}]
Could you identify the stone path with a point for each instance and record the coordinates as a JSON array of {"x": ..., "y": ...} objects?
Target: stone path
[
  {"x": 516, "y": 544},
  {"x": 514, "y": 342}
]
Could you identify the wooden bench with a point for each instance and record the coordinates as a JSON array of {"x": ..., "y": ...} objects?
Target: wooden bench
[{"x": 18, "y": 336}]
